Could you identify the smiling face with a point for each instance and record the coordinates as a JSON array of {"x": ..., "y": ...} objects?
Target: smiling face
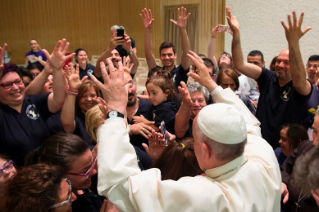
[
  {"x": 285, "y": 142},
  {"x": 81, "y": 165},
  {"x": 168, "y": 57},
  {"x": 48, "y": 86},
  {"x": 311, "y": 68},
  {"x": 282, "y": 67},
  {"x": 7, "y": 174},
  {"x": 63, "y": 195},
  {"x": 11, "y": 96},
  {"x": 88, "y": 100},
  {"x": 115, "y": 57},
  {"x": 81, "y": 57},
  {"x": 34, "y": 45},
  {"x": 156, "y": 94},
  {"x": 132, "y": 95},
  {"x": 199, "y": 102}
]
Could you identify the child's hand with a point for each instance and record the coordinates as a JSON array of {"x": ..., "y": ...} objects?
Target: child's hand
[{"x": 142, "y": 119}]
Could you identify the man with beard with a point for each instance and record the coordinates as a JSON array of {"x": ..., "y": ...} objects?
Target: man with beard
[
  {"x": 283, "y": 93},
  {"x": 137, "y": 109},
  {"x": 113, "y": 53}
]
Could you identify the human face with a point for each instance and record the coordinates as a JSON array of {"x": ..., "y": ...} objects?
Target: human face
[
  {"x": 88, "y": 100},
  {"x": 199, "y": 102},
  {"x": 224, "y": 61},
  {"x": 115, "y": 57},
  {"x": 65, "y": 197},
  {"x": 156, "y": 94},
  {"x": 13, "y": 96},
  {"x": 228, "y": 82},
  {"x": 35, "y": 72},
  {"x": 168, "y": 57},
  {"x": 285, "y": 142},
  {"x": 48, "y": 86},
  {"x": 82, "y": 57},
  {"x": 256, "y": 60},
  {"x": 80, "y": 166},
  {"x": 26, "y": 81},
  {"x": 315, "y": 132},
  {"x": 282, "y": 67},
  {"x": 7, "y": 174},
  {"x": 311, "y": 68},
  {"x": 34, "y": 45},
  {"x": 132, "y": 96}
]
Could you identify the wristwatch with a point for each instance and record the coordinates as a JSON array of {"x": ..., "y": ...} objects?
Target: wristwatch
[
  {"x": 114, "y": 113},
  {"x": 130, "y": 52}
]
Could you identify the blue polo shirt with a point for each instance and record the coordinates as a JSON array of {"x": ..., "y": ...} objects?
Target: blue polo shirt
[
  {"x": 278, "y": 105},
  {"x": 24, "y": 131}
]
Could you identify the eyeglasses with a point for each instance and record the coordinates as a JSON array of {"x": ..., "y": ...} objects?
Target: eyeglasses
[
  {"x": 225, "y": 55},
  {"x": 35, "y": 74},
  {"x": 86, "y": 174},
  {"x": 8, "y": 85},
  {"x": 7, "y": 167},
  {"x": 66, "y": 201}
]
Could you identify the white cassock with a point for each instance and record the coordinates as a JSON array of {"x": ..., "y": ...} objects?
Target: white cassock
[{"x": 253, "y": 186}]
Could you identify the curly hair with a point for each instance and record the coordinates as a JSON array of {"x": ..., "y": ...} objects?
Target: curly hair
[
  {"x": 164, "y": 81},
  {"x": 34, "y": 188}
]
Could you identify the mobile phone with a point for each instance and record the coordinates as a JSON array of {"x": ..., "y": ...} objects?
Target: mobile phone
[
  {"x": 163, "y": 129},
  {"x": 120, "y": 33},
  {"x": 223, "y": 27}
]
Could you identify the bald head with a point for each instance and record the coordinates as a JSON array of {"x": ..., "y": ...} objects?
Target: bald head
[{"x": 282, "y": 67}]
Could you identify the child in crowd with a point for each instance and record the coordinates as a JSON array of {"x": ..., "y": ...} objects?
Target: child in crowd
[{"x": 162, "y": 94}]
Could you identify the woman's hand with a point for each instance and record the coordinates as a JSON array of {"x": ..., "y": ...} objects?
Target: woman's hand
[{"x": 73, "y": 77}]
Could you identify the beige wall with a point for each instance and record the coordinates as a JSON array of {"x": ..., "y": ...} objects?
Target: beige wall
[{"x": 86, "y": 24}]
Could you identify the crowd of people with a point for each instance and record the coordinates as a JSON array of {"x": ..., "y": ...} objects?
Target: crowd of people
[{"x": 78, "y": 137}]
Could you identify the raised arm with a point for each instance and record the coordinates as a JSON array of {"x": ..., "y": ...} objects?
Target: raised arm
[
  {"x": 240, "y": 64},
  {"x": 36, "y": 86},
  {"x": 133, "y": 57},
  {"x": 297, "y": 69},
  {"x": 115, "y": 41},
  {"x": 68, "y": 109},
  {"x": 57, "y": 60},
  {"x": 183, "y": 115},
  {"x": 147, "y": 23},
  {"x": 181, "y": 23},
  {"x": 212, "y": 45}
]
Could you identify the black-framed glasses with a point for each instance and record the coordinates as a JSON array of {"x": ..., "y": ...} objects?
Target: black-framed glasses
[
  {"x": 6, "y": 167},
  {"x": 69, "y": 198},
  {"x": 8, "y": 85},
  {"x": 87, "y": 173}
]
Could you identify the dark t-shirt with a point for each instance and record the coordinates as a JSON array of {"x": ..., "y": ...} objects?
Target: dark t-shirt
[
  {"x": 166, "y": 111},
  {"x": 312, "y": 106},
  {"x": 143, "y": 109},
  {"x": 88, "y": 201},
  {"x": 122, "y": 51},
  {"x": 179, "y": 75},
  {"x": 39, "y": 54},
  {"x": 278, "y": 105},
  {"x": 24, "y": 131},
  {"x": 80, "y": 129}
]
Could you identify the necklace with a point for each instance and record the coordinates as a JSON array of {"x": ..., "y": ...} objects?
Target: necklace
[
  {"x": 299, "y": 199},
  {"x": 231, "y": 169}
]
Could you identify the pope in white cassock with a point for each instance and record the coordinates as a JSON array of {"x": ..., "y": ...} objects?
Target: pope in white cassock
[{"x": 242, "y": 173}]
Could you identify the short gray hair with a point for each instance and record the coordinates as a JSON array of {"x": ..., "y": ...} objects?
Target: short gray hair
[
  {"x": 116, "y": 27},
  {"x": 195, "y": 86},
  {"x": 221, "y": 151}
]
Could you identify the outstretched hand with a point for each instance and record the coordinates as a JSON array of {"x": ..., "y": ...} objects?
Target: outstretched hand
[
  {"x": 293, "y": 31},
  {"x": 73, "y": 76},
  {"x": 232, "y": 21},
  {"x": 181, "y": 21},
  {"x": 2, "y": 51},
  {"x": 186, "y": 97},
  {"x": 57, "y": 58},
  {"x": 114, "y": 89},
  {"x": 147, "y": 18},
  {"x": 154, "y": 148},
  {"x": 202, "y": 76}
]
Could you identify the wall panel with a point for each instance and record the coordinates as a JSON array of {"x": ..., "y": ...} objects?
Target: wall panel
[{"x": 86, "y": 24}]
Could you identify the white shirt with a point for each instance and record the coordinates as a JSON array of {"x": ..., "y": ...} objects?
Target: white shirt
[
  {"x": 254, "y": 186},
  {"x": 245, "y": 84}
]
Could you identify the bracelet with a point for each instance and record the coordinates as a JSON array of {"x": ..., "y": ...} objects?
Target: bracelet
[
  {"x": 71, "y": 92},
  {"x": 213, "y": 36}
]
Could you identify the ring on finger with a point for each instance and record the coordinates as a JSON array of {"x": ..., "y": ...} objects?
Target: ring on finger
[{"x": 143, "y": 129}]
